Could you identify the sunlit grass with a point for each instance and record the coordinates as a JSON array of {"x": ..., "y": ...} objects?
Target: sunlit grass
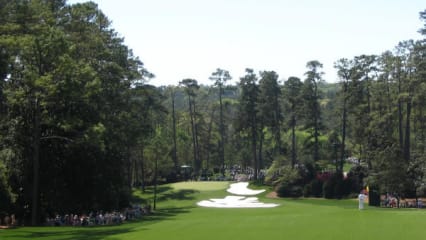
[
  {"x": 178, "y": 217},
  {"x": 200, "y": 186}
]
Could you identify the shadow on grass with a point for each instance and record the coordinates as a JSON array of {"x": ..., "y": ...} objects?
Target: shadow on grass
[
  {"x": 160, "y": 189},
  {"x": 145, "y": 196},
  {"x": 96, "y": 232},
  {"x": 137, "y": 199},
  {"x": 166, "y": 214},
  {"x": 164, "y": 193},
  {"x": 183, "y": 194}
]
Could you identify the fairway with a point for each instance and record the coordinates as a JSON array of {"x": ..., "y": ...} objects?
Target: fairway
[{"x": 178, "y": 217}]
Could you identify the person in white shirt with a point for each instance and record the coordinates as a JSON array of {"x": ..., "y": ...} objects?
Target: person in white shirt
[{"x": 361, "y": 198}]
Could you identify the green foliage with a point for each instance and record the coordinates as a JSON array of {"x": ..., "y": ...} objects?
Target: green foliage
[
  {"x": 338, "y": 187},
  {"x": 7, "y": 197},
  {"x": 273, "y": 175},
  {"x": 289, "y": 190},
  {"x": 374, "y": 196},
  {"x": 67, "y": 85},
  {"x": 312, "y": 107},
  {"x": 248, "y": 123},
  {"x": 270, "y": 108},
  {"x": 332, "y": 187},
  {"x": 287, "y": 180},
  {"x": 357, "y": 175},
  {"x": 314, "y": 189}
]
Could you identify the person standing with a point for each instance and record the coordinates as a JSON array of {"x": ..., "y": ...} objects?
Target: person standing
[{"x": 361, "y": 199}]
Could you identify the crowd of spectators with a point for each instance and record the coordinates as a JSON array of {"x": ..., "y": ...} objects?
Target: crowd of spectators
[
  {"x": 99, "y": 218},
  {"x": 395, "y": 201},
  {"x": 7, "y": 220}
]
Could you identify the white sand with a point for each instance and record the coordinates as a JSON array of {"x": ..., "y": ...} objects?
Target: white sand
[
  {"x": 237, "y": 201},
  {"x": 241, "y": 188}
]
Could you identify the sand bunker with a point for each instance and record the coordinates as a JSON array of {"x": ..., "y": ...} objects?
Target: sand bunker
[
  {"x": 241, "y": 188},
  {"x": 237, "y": 201}
]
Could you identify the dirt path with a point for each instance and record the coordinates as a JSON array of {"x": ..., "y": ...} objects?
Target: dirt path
[{"x": 272, "y": 195}]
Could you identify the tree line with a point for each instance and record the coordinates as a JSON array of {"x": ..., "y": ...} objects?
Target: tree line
[{"x": 80, "y": 125}]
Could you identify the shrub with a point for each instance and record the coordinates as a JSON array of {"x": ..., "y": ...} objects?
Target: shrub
[
  {"x": 338, "y": 188},
  {"x": 328, "y": 189},
  {"x": 278, "y": 173},
  {"x": 421, "y": 191},
  {"x": 356, "y": 176},
  {"x": 374, "y": 196},
  {"x": 313, "y": 189},
  {"x": 289, "y": 183},
  {"x": 317, "y": 188},
  {"x": 7, "y": 197},
  {"x": 334, "y": 187},
  {"x": 307, "y": 190},
  {"x": 347, "y": 187},
  {"x": 287, "y": 190}
]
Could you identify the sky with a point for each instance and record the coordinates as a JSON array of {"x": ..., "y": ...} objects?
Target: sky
[{"x": 178, "y": 39}]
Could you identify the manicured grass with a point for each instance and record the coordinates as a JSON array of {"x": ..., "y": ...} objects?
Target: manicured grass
[
  {"x": 178, "y": 217},
  {"x": 201, "y": 186}
]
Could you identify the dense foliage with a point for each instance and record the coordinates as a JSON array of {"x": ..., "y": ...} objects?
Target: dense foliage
[
  {"x": 80, "y": 126},
  {"x": 72, "y": 108}
]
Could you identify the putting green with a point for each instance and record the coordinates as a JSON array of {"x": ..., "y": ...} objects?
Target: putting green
[{"x": 200, "y": 186}]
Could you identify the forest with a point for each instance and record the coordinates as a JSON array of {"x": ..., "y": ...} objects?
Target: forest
[{"x": 81, "y": 125}]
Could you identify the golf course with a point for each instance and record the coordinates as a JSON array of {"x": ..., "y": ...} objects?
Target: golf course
[{"x": 179, "y": 217}]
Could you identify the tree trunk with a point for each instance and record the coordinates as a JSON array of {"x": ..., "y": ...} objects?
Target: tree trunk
[
  {"x": 316, "y": 125},
  {"x": 369, "y": 137},
  {"x": 135, "y": 173},
  {"x": 368, "y": 95},
  {"x": 194, "y": 144},
  {"x": 261, "y": 138},
  {"x": 209, "y": 134},
  {"x": 197, "y": 144},
  {"x": 400, "y": 119},
  {"x": 155, "y": 181},
  {"x": 277, "y": 126},
  {"x": 316, "y": 143},
  {"x": 344, "y": 120},
  {"x": 129, "y": 166},
  {"x": 142, "y": 168},
  {"x": 36, "y": 165},
  {"x": 254, "y": 148},
  {"x": 407, "y": 133},
  {"x": 293, "y": 140},
  {"x": 222, "y": 133},
  {"x": 174, "y": 154}
]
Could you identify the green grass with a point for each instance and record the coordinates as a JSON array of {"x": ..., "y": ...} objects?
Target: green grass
[{"x": 178, "y": 217}]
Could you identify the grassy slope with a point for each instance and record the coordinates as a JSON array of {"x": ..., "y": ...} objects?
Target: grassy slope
[{"x": 178, "y": 217}]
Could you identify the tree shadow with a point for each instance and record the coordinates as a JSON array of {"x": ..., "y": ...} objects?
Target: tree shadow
[
  {"x": 72, "y": 233},
  {"x": 160, "y": 189},
  {"x": 97, "y": 232},
  {"x": 136, "y": 199},
  {"x": 165, "y": 193},
  {"x": 183, "y": 194},
  {"x": 166, "y": 214}
]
